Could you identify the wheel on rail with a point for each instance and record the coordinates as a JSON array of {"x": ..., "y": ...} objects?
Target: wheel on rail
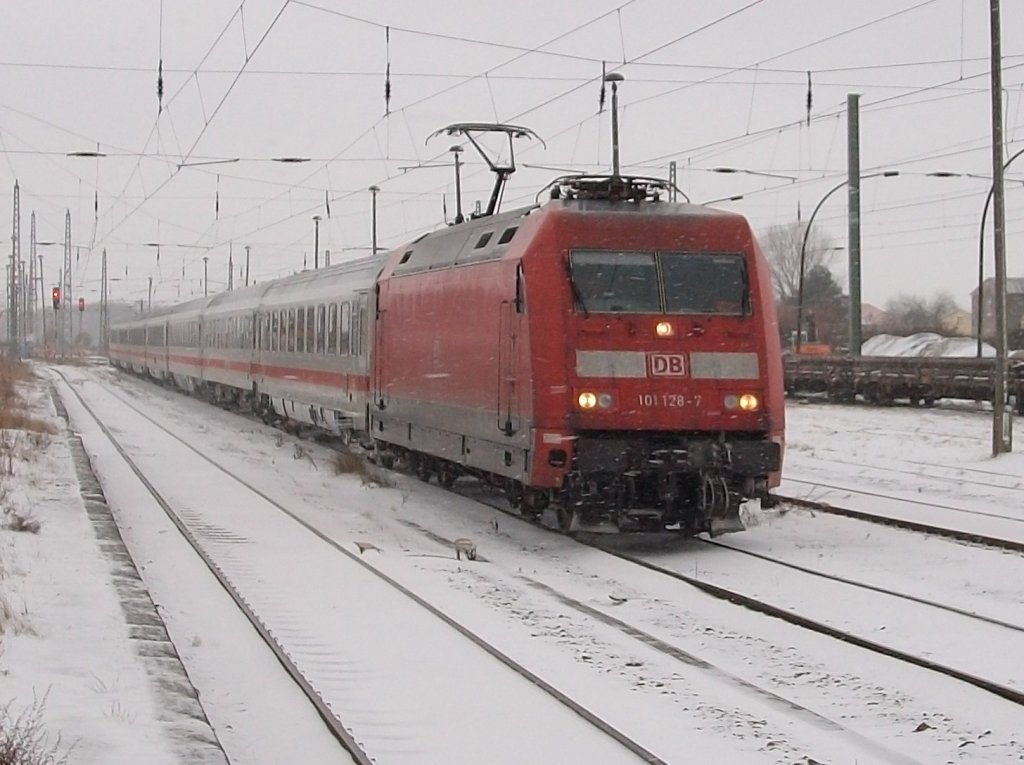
[
  {"x": 446, "y": 475},
  {"x": 514, "y": 493},
  {"x": 565, "y": 516},
  {"x": 422, "y": 469}
]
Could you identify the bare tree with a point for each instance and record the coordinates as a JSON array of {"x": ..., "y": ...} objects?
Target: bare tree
[
  {"x": 909, "y": 314},
  {"x": 781, "y": 246}
]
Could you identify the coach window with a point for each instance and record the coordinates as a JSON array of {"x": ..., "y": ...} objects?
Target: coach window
[
  {"x": 300, "y": 330},
  {"x": 360, "y": 332},
  {"x": 310, "y": 329},
  {"x": 353, "y": 330},
  {"x": 321, "y": 329},
  {"x": 346, "y": 327},
  {"x": 332, "y": 328},
  {"x": 290, "y": 332}
]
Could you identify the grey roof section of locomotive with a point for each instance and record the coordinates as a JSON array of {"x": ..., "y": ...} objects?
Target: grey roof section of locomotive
[{"x": 662, "y": 208}]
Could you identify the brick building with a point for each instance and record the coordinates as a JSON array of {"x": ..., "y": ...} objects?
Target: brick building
[{"x": 1014, "y": 311}]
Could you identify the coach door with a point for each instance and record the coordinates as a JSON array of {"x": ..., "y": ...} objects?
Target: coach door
[{"x": 378, "y": 384}]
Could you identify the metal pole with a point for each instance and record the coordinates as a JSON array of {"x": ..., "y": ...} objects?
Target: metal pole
[
  {"x": 14, "y": 299},
  {"x": 206, "y": 276},
  {"x": 457, "y": 150},
  {"x": 104, "y": 315},
  {"x": 615, "y": 78},
  {"x": 42, "y": 290},
  {"x": 672, "y": 170},
  {"x": 32, "y": 276},
  {"x": 1002, "y": 422},
  {"x": 66, "y": 327},
  {"x": 373, "y": 214},
  {"x": 246, "y": 265},
  {"x": 149, "y": 300},
  {"x": 853, "y": 178},
  {"x": 981, "y": 265},
  {"x": 58, "y": 319},
  {"x": 316, "y": 242}
]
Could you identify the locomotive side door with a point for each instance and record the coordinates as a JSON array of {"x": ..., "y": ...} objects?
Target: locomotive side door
[{"x": 510, "y": 315}]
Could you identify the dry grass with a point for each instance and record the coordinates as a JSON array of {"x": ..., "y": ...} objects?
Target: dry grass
[
  {"x": 23, "y": 740},
  {"x": 345, "y": 462},
  {"x": 13, "y": 621},
  {"x": 15, "y": 521},
  {"x": 12, "y": 408}
]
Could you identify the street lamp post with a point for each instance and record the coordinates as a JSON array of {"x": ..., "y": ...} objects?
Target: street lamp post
[
  {"x": 316, "y": 242},
  {"x": 373, "y": 214},
  {"x": 981, "y": 247},
  {"x": 803, "y": 250}
]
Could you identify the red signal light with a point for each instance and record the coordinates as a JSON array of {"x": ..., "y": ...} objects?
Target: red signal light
[
  {"x": 55, "y": 294},
  {"x": 81, "y": 304}
]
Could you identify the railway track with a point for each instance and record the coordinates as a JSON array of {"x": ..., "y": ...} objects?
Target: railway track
[
  {"x": 761, "y": 605},
  {"x": 760, "y": 696},
  {"x": 239, "y": 548},
  {"x": 867, "y": 586},
  {"x": 1002, "y": 691},
  {"x": 949, "y": 531}
]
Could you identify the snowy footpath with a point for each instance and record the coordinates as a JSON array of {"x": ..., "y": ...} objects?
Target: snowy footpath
[{"x": 83, "y": 653}]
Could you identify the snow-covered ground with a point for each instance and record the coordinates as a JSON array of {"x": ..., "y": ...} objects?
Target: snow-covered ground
[{"x": 692, "y": 678}]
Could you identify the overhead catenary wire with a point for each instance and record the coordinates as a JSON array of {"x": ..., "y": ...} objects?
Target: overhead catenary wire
[{"x": 575, "y": 127}]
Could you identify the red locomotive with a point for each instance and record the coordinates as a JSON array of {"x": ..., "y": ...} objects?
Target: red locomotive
[{"x": 609, "y": 354}]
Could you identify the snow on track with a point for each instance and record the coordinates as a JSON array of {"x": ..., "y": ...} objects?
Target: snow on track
[{"x": 381, "y": 663}]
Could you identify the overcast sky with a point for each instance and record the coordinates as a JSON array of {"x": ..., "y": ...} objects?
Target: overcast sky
[{"x": 720, "y": 84}]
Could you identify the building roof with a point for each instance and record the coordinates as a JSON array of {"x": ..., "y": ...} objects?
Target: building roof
[{"x": 1014, "y": 286}]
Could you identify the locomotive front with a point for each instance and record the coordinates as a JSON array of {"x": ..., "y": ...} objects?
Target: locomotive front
[{"x": 659, "y": 403}]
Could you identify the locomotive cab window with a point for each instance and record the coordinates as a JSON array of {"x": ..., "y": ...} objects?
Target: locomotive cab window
[
  {"x": 614, "y": 281},
  {"x": 608, "y": 281},
  {"x": 705, "y": 283}
]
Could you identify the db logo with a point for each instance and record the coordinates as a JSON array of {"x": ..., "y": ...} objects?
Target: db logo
[{"x": 667, "y": 364}]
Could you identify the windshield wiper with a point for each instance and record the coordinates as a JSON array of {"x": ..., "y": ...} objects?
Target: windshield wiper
[{"x": 577, "y": 296}]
